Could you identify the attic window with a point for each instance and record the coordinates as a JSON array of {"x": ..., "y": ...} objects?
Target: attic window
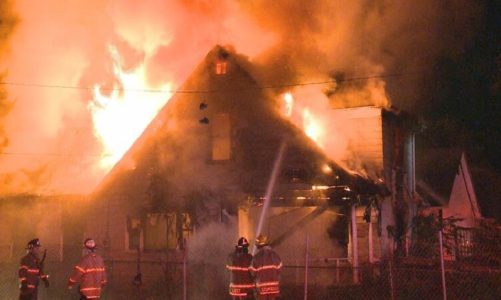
[{"x": 221, "y": 67}]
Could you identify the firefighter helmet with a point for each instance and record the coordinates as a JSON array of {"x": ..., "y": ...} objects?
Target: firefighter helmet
[
  {"x": 242, "y": 243},
  {"x": 90, "y": 244},
  {"x": 34, "y": 243},
  {"x": 262, "y": 240}
]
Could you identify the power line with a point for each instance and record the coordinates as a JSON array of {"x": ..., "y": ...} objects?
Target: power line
[
  {"x": 187, "y": 91},
  {"x": 52, "y": 154},
  {"x": 278, "y": 86}
]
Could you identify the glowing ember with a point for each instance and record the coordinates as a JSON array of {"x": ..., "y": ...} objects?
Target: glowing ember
[
  {"x": 326, "y": 169},
  {"x": 320, "y": 187},
  {"x": 120, "y": 118}
]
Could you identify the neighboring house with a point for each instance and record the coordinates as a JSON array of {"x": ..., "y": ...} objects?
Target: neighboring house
[
  {"x": 448, "y": 181},
  {"x": 445, "y": 182}
]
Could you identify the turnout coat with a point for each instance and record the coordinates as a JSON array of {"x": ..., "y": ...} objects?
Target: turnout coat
[
  {"x": 30, "y": 275},
  {"x": 241, "y": 282},
  {"x": 266, "y": 266},
  {"x": 91, "y": 274}
]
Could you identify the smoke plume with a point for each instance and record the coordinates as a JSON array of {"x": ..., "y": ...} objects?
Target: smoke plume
[{"x": 342, "y": 40}]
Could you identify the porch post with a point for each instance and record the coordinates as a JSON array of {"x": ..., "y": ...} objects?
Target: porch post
[
  {"x": 371, "y": 246},
  {"x": 354, "y": 242}
]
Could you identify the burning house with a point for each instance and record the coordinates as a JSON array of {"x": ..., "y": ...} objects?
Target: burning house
[
  {"x": 220, "y": 147},
  {"x": 298, "y": 140}
]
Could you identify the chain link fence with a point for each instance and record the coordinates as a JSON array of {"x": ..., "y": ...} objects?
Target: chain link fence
[
  {"x": 393, "y": 279},
  {"x": 471, "y": 269}
]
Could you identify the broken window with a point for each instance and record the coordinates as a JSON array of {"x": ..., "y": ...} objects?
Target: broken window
[
  {"x": 157, "y": 231},
  {"x": 186, "y": 226},
  {"x": 133, "y": 233},
  {"x": 220, "y": 137},
  {"x": 221, "y": 67},
  {"x": 160, "y": 231}
]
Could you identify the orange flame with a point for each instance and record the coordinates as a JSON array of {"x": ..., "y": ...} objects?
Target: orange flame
[
  {"x": 120, "y": 118},
  {"x": 350, "y": 136},
  {"x": 312, "y": 127},
  {"x": 304, "y": 117},
  {"x": 288, "y": 104}
]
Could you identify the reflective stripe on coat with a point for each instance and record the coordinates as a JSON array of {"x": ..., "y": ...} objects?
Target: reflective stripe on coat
[
  {"x": 266, "y": 266},
  {"x": 241, "y": 282}
]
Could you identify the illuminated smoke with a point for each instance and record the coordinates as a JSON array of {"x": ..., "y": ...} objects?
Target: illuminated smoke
[
  {"x": 321, "y": 40},
  {"x": 8, "y": 22}
]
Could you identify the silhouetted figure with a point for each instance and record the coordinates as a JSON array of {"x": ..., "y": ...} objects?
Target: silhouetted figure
[
  {"x": 30, "y": 272},
  {"x": 241, "y": 281}
]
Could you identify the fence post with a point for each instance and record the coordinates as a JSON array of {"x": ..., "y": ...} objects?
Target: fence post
[
  {"x": 297, "y": 271},
  {"x": 337, "y": 270},
  {"x": 138, "y": 279},
  {"x": 306, "y": 267},
  {"x": 61, "y": 247},
  {"x": 184, "y": 269},
  {"x": 440, "y": 240},
  {"x": 371, "y": 247},
  {"x": 11, "y": 251},
  {"x": 392, "y": 288}
]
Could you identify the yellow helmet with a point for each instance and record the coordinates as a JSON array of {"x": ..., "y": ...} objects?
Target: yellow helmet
[{"x": 262, "y": 240}]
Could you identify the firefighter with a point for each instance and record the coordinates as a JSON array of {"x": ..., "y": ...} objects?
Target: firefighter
[
  {"x": 265, "y": 267},
  {"x": 90, "y": 272},
  {"x": 241, "y": 282},
  {"x": 30, "y": 272}
]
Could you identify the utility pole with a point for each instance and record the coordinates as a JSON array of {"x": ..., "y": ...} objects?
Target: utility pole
[{"x": 442, "y": 267}]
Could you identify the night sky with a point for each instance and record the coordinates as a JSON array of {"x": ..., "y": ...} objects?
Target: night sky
[{"x": 464, "y": 107}]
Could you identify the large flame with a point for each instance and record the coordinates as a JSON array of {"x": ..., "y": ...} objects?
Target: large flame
[
  {"x": 304, "y": 117},
  {"x": 312, "y": 127},
  {"x": 120, "y": 118}
]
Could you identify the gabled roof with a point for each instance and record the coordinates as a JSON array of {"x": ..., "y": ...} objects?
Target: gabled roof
[
  {"x": 175, "y": 147},
  {"x": 436, "y": 170}
]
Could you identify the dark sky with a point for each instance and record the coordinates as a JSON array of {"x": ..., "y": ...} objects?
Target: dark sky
[{"x": 463, "y": 107}]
